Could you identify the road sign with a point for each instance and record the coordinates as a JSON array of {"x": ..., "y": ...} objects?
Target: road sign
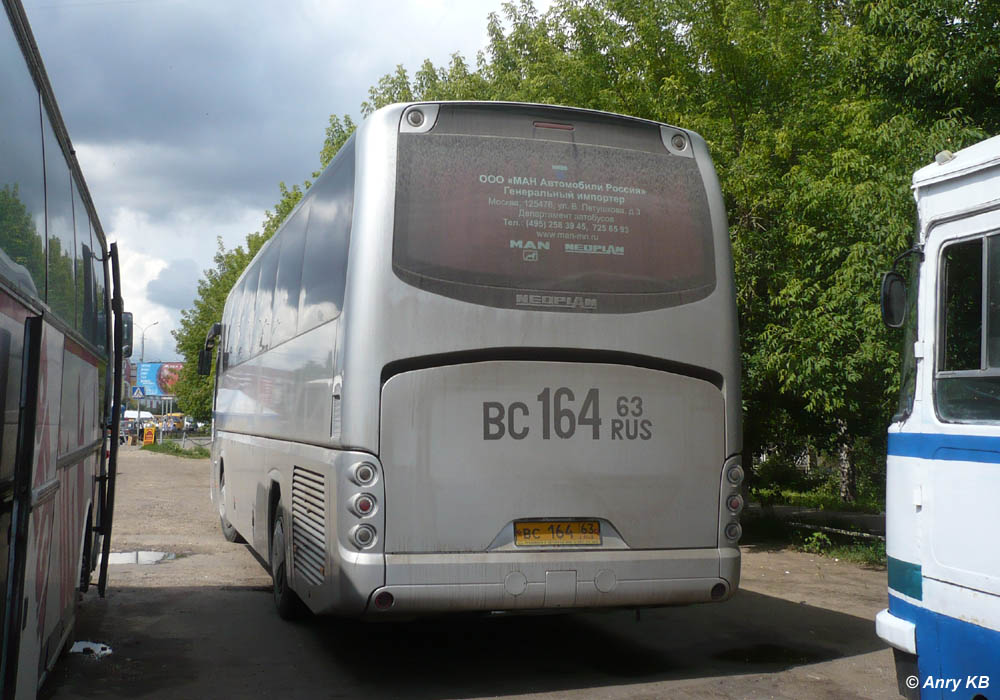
[{"x": 138, "y": 392}]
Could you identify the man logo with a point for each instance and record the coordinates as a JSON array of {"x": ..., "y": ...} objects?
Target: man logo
[
  {"x": 530, "y": 245},
  {"x": 530, "y": 256}
]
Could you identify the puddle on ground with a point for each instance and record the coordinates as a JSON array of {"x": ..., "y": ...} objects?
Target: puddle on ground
[
  {"x": 140, "y": 557},
  {"x": 95, "y": 649}
]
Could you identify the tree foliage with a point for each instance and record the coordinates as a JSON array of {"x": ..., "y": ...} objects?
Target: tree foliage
[{"x": 816, "y": 113}]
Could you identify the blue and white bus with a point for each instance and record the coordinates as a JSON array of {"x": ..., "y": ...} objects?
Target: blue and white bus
[{"x": 943, "y": 471}]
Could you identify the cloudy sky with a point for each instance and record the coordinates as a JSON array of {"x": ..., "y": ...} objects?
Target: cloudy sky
[{"x": 186, "y": 114}]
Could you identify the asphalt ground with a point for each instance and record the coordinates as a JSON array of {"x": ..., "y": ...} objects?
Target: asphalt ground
[{"x": 203, "y": 625}]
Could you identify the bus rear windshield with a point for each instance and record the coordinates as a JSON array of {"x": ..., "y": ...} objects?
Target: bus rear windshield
[{"x": 528, "y": 221}]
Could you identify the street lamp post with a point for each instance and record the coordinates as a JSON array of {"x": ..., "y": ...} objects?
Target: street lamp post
[{"x": 142, "y": 349}]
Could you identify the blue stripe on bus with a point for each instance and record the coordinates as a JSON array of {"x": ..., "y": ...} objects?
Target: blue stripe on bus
[
  {"x": 950, "y": 648},
  {"x": 906, "y": 578},
  {"x": 955, "y": 448}
]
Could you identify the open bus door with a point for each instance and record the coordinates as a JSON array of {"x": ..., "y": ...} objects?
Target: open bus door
[
  {"x": 122, "y": 349},
  {"x": 16, "y": 505}
]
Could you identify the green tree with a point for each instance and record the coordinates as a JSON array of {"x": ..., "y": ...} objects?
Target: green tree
[{"x": 816, "y": 113}]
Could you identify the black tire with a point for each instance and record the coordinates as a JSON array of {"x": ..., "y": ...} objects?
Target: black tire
[
  {"x": 290, "y": 606},
  {"x": 228, "y": 531}
]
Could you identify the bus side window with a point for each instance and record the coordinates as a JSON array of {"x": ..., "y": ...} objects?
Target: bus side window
[
  {"x": 244, "y": 350},
  {"x": 101, "y": 319},
  {"x": 289, "y": 277},
  {"x": 962, "y": 279},
  {"x": 225, "y": 345},
  {"x": 61, "y": 296},
  {"x": 265, "y": 294},
  {"x": 324, "y": 265},
  {"x": 234, "y": 322},
  {"x": 84, "y": 321},
  {"x": 22, "y": 182},
  {"x": 993, "y": 302}
]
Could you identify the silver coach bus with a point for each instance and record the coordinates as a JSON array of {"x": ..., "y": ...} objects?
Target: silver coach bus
[{"x": 490, "y": 362}]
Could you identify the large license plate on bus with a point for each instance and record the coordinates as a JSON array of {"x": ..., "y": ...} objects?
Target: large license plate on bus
[{"x": 559, "y": 533}]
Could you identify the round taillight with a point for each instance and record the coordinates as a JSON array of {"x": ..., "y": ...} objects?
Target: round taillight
[
  {"x": 363, "y": 536},
  {"x": 364, "y": 474},
  {"x": 415, "y": 117},
  {"x": 735, "y": 475},
  {"x": 384, "y": 600},
  {"x": 734, "y": 531},
  {"x": 364, "y": 504},
  {"x": 735, "y": 503}
]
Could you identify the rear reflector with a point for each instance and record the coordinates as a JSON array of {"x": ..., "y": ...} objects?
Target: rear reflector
[{"x": 553, "y": 125}]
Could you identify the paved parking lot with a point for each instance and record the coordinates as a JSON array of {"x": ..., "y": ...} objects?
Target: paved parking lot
[{"x": 203, "y": 625}]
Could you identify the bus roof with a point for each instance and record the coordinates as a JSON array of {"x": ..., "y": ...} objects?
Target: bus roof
[
  {"x": 935, "y": 187},
  {"x": 976, "y": 157}
]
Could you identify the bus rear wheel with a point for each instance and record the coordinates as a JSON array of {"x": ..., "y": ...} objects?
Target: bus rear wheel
[{"x": 289, "y": 604}]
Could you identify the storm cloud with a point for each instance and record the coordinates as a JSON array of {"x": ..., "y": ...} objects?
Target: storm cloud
[
  {"x": 187, "y": 114},
  {"x": 176, "y": 284}
]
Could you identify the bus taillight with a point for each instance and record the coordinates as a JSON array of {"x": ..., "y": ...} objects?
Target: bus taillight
[
  {"x": 363, "y": 536},
  {"x": 363, "y": 505},
  {"x": 735, "y": 475},
  {"x": 364, "y": 474},
  {"x": 735, "y": 503}
]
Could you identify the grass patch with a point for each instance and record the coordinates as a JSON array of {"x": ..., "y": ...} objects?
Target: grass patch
[
  {"x": 867, "y": 553},
  {"x": 172, "y": 448},
  {"x": 765, "y": 530},
  {"x": 818, "y": 498}
]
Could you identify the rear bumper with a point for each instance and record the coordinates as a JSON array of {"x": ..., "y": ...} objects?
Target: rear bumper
[
  {"x": 897, "y": 632},
  {"x": 435, "y": 583}
]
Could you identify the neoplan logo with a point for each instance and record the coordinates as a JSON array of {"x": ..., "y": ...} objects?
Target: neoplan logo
[
  {"x": 594, "y": 249},
  {"x": 557, "y": 301}
]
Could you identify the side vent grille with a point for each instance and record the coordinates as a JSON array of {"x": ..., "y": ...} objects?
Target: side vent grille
[{"x": 309, "y": 524}]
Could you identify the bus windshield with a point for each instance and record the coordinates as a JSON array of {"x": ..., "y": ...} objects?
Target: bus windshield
[{"x": 597, "y": 208}]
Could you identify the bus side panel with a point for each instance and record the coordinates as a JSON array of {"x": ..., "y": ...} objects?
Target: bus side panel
[
  {"x": 283, "y": 393},
  {"x": 328, "y": 573},
  {"x": 44, "y": 482},
  {"x": 78, "y": 428},
  {"x": 962, "y": 493},
  {"x": 903, "y": 506},
  {"x": 243, "y": 467}
]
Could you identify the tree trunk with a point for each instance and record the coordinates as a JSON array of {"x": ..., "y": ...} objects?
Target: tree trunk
[{"x": 848, "y": 475}]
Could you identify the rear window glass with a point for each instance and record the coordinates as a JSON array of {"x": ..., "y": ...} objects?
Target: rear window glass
[{"x": 552, "y": 224}]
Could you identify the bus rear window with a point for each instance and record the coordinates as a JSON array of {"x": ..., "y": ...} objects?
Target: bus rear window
[{"x": 535, "y": 222}]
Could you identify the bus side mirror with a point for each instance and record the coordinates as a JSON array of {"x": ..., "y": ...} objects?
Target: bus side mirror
[
  {"x": 205, "y": 354},
  {"x": 893, "y": 299},
  {"x": 205, "y": 362},
  {"x": 127, "y": 334}
]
